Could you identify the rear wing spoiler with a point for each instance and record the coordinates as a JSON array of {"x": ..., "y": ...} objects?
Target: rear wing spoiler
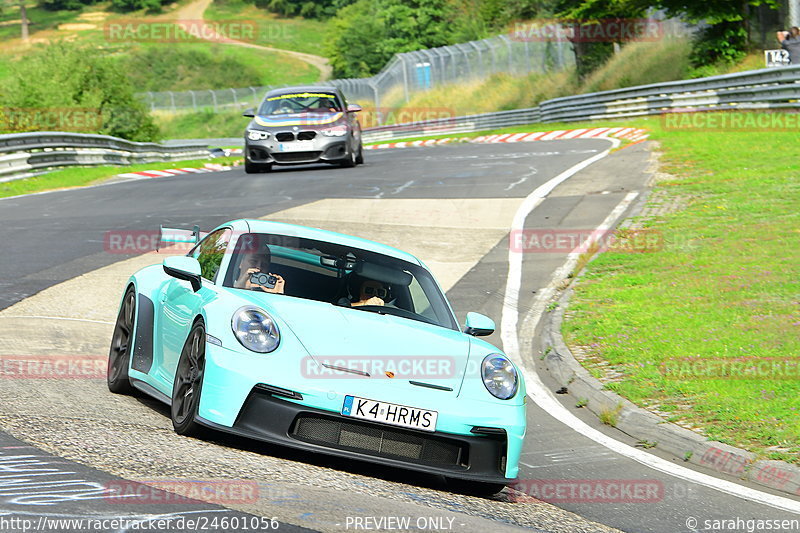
[{"x": 179, "y": 236}]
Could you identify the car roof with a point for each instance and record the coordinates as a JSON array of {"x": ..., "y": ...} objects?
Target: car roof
[
  {"x": 306, "y": 232},
  {"x": 304, "y": 88}
]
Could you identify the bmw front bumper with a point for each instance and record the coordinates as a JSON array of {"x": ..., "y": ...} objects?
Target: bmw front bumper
[{"x": 320, "y": 149}]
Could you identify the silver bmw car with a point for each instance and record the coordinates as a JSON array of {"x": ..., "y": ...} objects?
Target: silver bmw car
[{"x": 301, "y": 125}]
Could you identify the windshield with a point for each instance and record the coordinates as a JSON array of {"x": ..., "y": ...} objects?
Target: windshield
[
  {"x": 285, "y": 104},
  {"x": 340, "y": 275}
]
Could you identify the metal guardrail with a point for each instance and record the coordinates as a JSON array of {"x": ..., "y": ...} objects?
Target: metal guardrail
[
  {"x": 448, "y": 126},
  {"x": 28, "y": 154},
  {"x": 756, "y": 89}
]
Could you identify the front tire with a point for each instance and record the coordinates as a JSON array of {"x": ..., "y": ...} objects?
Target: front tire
[
  {"x": 350, "y": 160},
  {"x": 189, "y": 382},
  {"x": 360, "y": 156},
  {"x": 256, "y": 168},
  {"x": 119, "y": 355}
]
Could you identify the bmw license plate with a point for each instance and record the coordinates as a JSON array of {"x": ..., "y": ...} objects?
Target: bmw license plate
[
  {"x": 296, "y": 146},
  {"x": 389, "y": 413}
]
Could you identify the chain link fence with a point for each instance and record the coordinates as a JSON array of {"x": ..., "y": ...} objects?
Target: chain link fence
[{"x": 404, "y": 75}]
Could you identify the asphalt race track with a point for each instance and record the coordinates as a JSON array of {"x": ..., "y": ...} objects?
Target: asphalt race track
[{"x": 452, "y": 206}]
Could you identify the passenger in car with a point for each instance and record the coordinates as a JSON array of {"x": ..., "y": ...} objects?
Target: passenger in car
[{"x": 257, "y": 262}]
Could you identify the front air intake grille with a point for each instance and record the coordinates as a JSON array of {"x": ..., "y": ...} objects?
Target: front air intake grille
[
  {"x": 295, "y": 157},
  {"x": 378, "y": 441},
  {"x": 284, "y": 136},
  {"x": 306, "y": 135}
]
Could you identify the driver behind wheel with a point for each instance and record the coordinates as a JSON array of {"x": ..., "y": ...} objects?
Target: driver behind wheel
[{"x": 368, "y": 292}]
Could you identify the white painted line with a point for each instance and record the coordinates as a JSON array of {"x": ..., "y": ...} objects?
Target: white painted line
[
  {"x": 547, "y": 401},
  {"x": 508, "y": 323},
  {"x": 403, "y": 187}
]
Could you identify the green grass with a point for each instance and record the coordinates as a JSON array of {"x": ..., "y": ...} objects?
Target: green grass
[
  {"x": 201, "y": 125},
  {"x": 80, "y": 176},
  {"x": 299, "y": 34},
  {"x": 190, "y": 64},
  {"x": 198, "y": 66},
  {"x": 725, "y": 285}
]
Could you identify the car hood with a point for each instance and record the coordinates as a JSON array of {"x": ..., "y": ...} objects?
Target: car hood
[
  {"x": 297, "y": 119},
  {"x": 364, "y": 341}
]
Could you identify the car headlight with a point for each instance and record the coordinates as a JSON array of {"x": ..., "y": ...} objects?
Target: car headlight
[
  {"x": 257, "y": 135},
  {"x": 255, "y": 329},
  {"x": 336, "y": 131},
  {"x": 499, "y": 376}
]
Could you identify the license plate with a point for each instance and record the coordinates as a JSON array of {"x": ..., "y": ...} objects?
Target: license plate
[
  {"x": 297, "y": 146},
  {"x": 389, "y": 413}
]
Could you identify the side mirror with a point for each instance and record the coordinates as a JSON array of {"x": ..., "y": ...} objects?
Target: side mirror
[
  {"x": 353, "y": 108},
  {"x": 185, "y": 268},
  {"x": 249, "y": 113},
  {"x": 478, "y": 325}
]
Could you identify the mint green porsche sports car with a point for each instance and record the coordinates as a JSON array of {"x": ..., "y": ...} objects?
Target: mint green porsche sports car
[{"x": 321, "y": 341}]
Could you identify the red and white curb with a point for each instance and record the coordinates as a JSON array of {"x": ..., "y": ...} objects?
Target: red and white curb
[
  {"x": 631, "y": 134},
  {"x": 174, "y": 171}
]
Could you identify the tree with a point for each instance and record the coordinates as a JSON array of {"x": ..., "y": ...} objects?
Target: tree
[
  {"x": 581, "y": 15},
  {"x": 23, "y": 16},
  {"x": 317, "y": 9},
  {"x": 65, "y": 86},
  {"x": 725, "y": 37},
  {"x": 365, "y": 35}
]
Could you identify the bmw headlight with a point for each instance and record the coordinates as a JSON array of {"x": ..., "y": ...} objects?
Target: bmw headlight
[
  {"x": 336, "y": 131},
  {"x": 255, "y": 329},
  {"x": 257, "y": 135},
  {"x": 499, "y": 376}
]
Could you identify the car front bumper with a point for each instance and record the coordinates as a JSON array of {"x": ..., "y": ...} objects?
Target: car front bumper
[
  {"x": 321, "y": 149},
  {"x": 475, "y": 439},
  {"x": 268, "y": 417}
]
